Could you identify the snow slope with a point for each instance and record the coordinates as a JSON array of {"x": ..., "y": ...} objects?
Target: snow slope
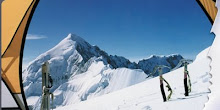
[
  {"x": 146, "y": 95},
  {"x": 91, "y": 84},
  {"x": 81, "y": 71},
  {"x": 214, "y": 97}
]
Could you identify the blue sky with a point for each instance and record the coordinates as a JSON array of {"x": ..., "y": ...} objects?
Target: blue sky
[{"x": 134, "y": 29}]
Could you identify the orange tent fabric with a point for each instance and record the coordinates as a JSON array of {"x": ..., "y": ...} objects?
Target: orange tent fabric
[
  {"x": 16, "y": 16},
  {"x": 209, "y": 8}
]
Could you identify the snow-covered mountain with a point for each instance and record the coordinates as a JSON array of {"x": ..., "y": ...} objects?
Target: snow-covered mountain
[
  {"x": 81, "y": 71},
  {"x": 147, "y": 96},
  {"x": 147, "y": 65}
]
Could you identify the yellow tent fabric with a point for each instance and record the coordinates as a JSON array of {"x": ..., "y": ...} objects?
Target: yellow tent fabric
[
  {"x": 16, "y": 15},
  {"x": 209, "y": 8}
]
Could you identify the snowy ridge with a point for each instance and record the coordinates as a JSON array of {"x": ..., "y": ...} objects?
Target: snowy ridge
[
  {"x": 81, "y": 71},
  {"x": 146, "y": 95}
]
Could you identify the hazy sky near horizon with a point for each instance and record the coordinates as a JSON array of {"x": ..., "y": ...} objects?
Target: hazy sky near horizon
[{"x": 134, "y": 29}]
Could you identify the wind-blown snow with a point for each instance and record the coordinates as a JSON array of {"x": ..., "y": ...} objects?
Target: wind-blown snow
[{"x": 146, "y": 95}]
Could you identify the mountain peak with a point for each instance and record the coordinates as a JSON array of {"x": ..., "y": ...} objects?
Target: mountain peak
[
  {"x": 75, "y": 40},
  {"x": 74, "y": 37}
]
